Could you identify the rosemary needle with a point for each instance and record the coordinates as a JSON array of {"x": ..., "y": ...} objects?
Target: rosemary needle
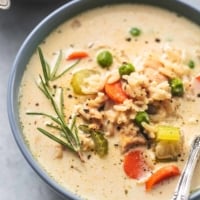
[{"x": 45, "y": 67}]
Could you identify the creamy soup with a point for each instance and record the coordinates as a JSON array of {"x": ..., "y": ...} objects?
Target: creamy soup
[{"x": 132, "y": 84}]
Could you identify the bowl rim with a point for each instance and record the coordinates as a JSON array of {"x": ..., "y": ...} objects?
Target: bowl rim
[{"x": 30, "y": 43}]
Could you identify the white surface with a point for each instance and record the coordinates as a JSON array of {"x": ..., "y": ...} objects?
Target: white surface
[{"x": 17, "y": 180}]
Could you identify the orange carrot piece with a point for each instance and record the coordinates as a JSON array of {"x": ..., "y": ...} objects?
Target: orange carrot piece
[
  {"x": 77, "y": 55},
  {"x": 134, "y": 165},
  {"x": 198, "y": 78},
  {"x": 162, "y": 174},
  {"x": 115, "y": 92}
]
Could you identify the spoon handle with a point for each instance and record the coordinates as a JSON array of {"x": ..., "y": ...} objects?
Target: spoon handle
[{"x": 183, "y": 187}]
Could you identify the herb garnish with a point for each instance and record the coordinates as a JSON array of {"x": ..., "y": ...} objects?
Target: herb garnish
[
  {"x": 52, "y": 75},
  {"x": 69, "y": 134}
]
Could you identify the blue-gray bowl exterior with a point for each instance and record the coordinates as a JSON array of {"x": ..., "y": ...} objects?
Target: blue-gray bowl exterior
[{"x": 29, "y": 46}]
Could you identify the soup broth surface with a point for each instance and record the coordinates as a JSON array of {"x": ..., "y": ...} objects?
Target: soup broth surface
[{"x": 108, "y": 28}]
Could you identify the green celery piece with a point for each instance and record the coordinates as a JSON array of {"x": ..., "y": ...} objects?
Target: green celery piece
[
  {"x": 168, "y": 133},
  {"x": 100, "y": 142}
]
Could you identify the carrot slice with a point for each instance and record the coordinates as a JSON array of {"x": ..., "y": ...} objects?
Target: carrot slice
[
  {"x": 134, "y": 165},
  {"x": 77, "y": 55},
  {"x": 161, "y": 174},
  {"x": 198, "y": 78},
  {"x": 115, "y": 92}
]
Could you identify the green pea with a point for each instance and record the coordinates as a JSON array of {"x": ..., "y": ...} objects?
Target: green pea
[
  {"x": 105, "y": 59},
  {"x": 177, "y": 88},
  {"x": 141, "y": 117},
  {"x": 135, "y": 31},
  {"x": 191, "y": 64},
  {"x": 126, "y": 69}
]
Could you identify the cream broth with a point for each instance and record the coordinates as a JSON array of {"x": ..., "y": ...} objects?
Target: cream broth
[{"x": 104, "y": 178}]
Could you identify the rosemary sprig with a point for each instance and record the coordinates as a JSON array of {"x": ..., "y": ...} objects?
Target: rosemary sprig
[
  {"x": 54, "y": 119},
  {"x": 43, "y": 87},
  {"x": 56, "y": 139},
  {"x": 54, "y": 127},
  {"x": 69, "y": 134},
  {"x": 52, "y": 75}
]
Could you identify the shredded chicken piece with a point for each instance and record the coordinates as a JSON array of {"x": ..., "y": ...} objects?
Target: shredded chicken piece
[
  {"x": 128, "y": 142},
  {"x": 129, "y": 138}
]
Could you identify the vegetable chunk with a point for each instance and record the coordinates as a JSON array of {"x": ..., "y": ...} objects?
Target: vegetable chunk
[
  {"x": 161, "y": 175},
  {"x": 177, "y": 88},
  {"x": 168, "y": 133},
  {"x": 105, "y": 59},
  {"x": 126, "y": 69},
  {"x": 77, "y": 55},
  {"x": 134, "y": 165},
  {"x": 78, "y": 82},
  {"x": 115, "y": 92},
  {"x": 169, "y": 143}
]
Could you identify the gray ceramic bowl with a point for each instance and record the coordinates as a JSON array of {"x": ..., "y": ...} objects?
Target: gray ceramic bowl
[{"x": 36, "y": 36}]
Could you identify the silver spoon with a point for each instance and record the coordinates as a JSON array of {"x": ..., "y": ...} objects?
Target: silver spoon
[
  {"x": 4, "y": 4},
  {"x": 183, "y": 187}
]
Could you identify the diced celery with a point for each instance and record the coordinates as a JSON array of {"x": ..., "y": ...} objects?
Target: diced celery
[
  {"x": 168, "y": 133},
  {"x": 168, "y": 143}
]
